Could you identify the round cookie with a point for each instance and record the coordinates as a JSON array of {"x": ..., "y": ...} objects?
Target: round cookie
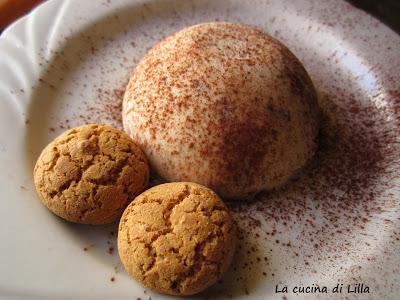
[
  {"x": 89, "y": 174},
  {"x": 177, "y": 238},
  {"x": 224, "y": 105}
]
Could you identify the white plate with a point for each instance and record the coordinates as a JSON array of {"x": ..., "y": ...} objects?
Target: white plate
[{"x": 338, "y": 222}]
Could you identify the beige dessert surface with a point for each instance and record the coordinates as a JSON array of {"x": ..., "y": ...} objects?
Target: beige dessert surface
[{"x": 224, "y": 105}]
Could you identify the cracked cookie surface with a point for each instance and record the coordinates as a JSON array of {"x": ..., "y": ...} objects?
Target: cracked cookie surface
[
  {"x": 177, "y": 238},
  {"x": 89, "y": 174}
]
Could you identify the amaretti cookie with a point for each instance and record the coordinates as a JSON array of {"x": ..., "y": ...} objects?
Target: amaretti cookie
[
  {"x": 90, "y": 173},
  {"x": 177, "y": 238},
  {"x": 224, "y": 105}
]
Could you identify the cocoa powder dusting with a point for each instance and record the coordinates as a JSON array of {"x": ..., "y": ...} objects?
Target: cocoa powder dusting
[
  {"x": 331, "y": 211},
  {"x": 340, "y": 194},
  {"x": 105, "y": 107}
]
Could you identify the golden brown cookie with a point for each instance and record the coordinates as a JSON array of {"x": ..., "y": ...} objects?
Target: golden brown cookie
[
  {"x": 177, "y": 238},
  {"x": 224, "y": 105},
  {"x": 90, "y": 173}
]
